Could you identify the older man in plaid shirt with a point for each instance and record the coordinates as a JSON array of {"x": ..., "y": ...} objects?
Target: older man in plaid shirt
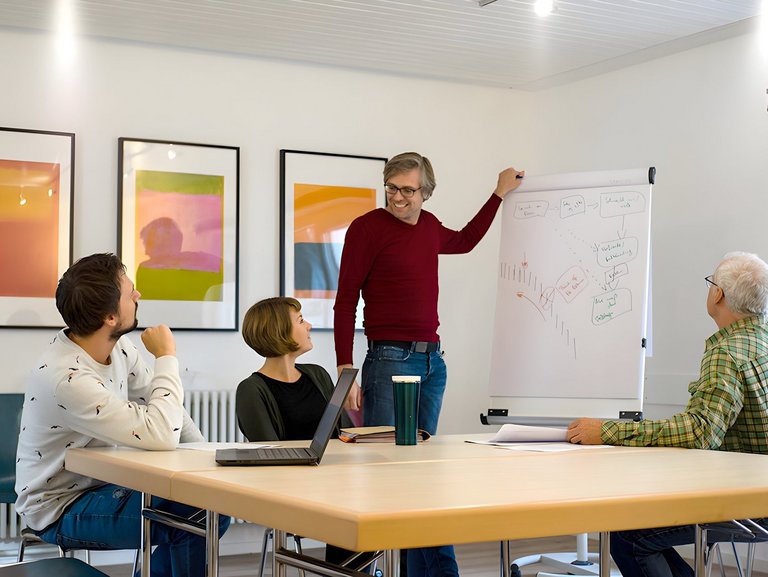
[{"x": 728, "y": 408}]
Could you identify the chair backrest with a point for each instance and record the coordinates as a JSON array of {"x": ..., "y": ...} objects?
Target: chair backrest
[{"x": 10, "y": 423}]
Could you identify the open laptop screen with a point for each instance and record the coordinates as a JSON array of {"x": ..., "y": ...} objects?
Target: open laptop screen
[{"x": 332, "y": 412}]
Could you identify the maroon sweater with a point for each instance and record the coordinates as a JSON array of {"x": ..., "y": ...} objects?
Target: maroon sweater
[{"x": 394, "y": 265}]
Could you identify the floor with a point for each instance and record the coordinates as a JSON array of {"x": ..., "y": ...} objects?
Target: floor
[{"x": 475, "y": 560}]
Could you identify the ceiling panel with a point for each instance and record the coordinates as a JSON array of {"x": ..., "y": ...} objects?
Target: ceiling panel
[{"x": 502, "y": 44}]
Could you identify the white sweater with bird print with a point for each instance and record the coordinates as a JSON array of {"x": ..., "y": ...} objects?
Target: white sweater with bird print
[{"x": 74, "y": 401}]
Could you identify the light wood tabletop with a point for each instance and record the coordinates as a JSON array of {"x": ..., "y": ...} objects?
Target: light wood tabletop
[
  {"x": 400, "y": 504},
  {"x": 147, "y": 471},
  {"x": 447, "y": 491}
]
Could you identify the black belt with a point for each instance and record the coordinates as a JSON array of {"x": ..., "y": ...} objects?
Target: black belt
[{"x": 412, "y": 346}]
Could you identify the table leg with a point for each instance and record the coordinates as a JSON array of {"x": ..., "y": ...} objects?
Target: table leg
[
  {"x": 212, "y": 542},
  {"x": 391, "y": 559},
  {"x": 279, "y": 541},
  {"x": 699, "y": 551},
  {"x": 505, "y": 560},
  {"x": 146, "y": 542},
  {"x": 605, "y": 554}
]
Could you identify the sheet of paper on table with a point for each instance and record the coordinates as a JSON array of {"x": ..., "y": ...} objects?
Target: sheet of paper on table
[
  {"x": 205, "y": 446},
  {"x": 531, "y": 438}
]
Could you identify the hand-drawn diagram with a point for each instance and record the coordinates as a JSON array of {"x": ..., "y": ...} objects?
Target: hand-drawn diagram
[
  {"x": 572, "y": 289},
  {"x": 613, "y": 254}
]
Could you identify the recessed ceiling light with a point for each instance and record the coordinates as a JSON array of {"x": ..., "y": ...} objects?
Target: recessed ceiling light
[{"x": 544, "y": 7}]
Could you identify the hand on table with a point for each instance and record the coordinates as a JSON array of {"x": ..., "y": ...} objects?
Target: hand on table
[{"x": 585, "y": 431}]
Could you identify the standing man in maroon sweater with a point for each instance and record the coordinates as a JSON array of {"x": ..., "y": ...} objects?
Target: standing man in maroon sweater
[{"x": 391, "y": 256}]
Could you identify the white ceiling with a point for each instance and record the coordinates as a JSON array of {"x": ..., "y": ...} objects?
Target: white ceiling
[{"x": 503, "y": 44}]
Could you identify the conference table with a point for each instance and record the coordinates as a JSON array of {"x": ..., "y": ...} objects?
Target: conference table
[{"x": 366, "y": 497}]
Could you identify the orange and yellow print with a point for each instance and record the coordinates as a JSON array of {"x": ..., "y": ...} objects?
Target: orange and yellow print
[{"x": 29, "y": 228}]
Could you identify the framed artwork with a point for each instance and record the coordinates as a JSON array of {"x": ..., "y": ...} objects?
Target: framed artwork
[
  {"x": 37, "y": 177},
  {"x": 178, "y": 231},
  {"x": 320, "y": 195}
]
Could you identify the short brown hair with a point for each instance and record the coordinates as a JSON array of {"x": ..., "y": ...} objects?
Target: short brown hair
[
  {"x": 267, "y": 326},
  {"x": 89, "y": 291},
  {"x": 406, "y": 162}
]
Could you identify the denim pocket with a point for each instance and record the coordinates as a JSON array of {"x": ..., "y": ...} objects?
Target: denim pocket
[{"x": 389, "y": 353}]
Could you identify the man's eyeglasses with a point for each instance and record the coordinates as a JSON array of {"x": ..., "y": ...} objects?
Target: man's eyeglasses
[
  {"x": 406, "y": 191},
  {"x": 710, "y": 282}
]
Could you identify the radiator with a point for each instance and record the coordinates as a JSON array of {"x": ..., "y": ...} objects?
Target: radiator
[
  {"x": 212, "y": 411},
  {"x": 10, "y": 522}
]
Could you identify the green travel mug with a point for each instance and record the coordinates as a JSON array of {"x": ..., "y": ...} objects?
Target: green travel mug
[{"x": 406, "y": 394}]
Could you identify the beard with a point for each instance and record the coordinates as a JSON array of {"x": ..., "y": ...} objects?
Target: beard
[{"x": 120, "y": 331}]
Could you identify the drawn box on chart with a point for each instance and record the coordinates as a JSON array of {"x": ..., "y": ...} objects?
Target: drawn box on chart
[{"x": 608, "y": 306}]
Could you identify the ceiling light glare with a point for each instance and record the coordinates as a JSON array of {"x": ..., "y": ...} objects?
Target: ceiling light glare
[
  {"x": 763, "y": 34},
  {"x": 544, "y": 7},
  {"x": 65, "y": 32}
]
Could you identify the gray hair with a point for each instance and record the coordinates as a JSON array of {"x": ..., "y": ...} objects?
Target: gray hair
[
  {"x": 743, "y": 277},
  {"x": 406, "y": 162}
]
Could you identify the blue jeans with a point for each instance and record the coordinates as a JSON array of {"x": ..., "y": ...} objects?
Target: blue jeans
[
  {"x": 649, "y": 552},
  {"x": 381, "y": 363},
  {"x": 109, "y": 517}
]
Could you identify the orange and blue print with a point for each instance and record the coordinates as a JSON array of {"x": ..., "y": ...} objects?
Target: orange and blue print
[{"x": 322, "y": 215}]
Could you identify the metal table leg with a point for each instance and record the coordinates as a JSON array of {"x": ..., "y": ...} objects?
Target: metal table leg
[
  {"x": 605, "y": 554},
  {"x": 212, "y": 542},
  {"x": 146, "y": 541},
  {"x": 699, "y": 551}
]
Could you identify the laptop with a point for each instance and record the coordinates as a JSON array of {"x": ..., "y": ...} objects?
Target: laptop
[{"x": 297, "y": 455}]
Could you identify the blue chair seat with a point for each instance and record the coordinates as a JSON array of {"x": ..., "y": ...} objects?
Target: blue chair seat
[{"x": 55, "y": 567}]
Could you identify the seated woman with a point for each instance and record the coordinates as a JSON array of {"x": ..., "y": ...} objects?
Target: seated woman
[{"x": 283, "y": 400}]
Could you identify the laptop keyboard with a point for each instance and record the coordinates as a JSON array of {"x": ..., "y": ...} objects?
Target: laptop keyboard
[{"x": 282, "y": 453}]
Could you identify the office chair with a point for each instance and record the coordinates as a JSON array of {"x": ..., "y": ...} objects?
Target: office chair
[
  {"x": 737, "y": 531},
  {"x": 10, "y": 423},
  {"x": 358, "y": 561},
  {"x": 57, "y": 566},
  {"x": 11, "y": 405},
  {"x": 268, "y": 536},
  {"x": 580, "y": 562}
]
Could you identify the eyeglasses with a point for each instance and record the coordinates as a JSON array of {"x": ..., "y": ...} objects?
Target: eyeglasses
[
  {"x": 710, "y": 282},
  {"x": 406, "y": 191}
]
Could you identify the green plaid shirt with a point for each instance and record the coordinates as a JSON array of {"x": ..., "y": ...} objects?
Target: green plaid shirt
[{"x": 728, "y": 409}]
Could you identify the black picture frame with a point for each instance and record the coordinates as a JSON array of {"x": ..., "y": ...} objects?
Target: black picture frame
[
  {"x": 37, "y": 183},
  {"x": 178, "y": 231},
  {"x": 321, "y": 193}
]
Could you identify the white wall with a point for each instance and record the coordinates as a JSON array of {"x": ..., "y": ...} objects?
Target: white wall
[
  {"x": 698, "y": 116},
  {"x": 111, "y": 90}
]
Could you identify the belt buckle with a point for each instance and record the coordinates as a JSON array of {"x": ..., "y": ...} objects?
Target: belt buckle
[{"x": 420, "y": 347}]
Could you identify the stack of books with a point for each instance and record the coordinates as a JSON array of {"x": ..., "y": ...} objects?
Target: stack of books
[{"x": 375, "y": 435}]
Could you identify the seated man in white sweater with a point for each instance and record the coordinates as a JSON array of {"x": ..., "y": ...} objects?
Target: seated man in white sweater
[{"x": 91, "y": 388}]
